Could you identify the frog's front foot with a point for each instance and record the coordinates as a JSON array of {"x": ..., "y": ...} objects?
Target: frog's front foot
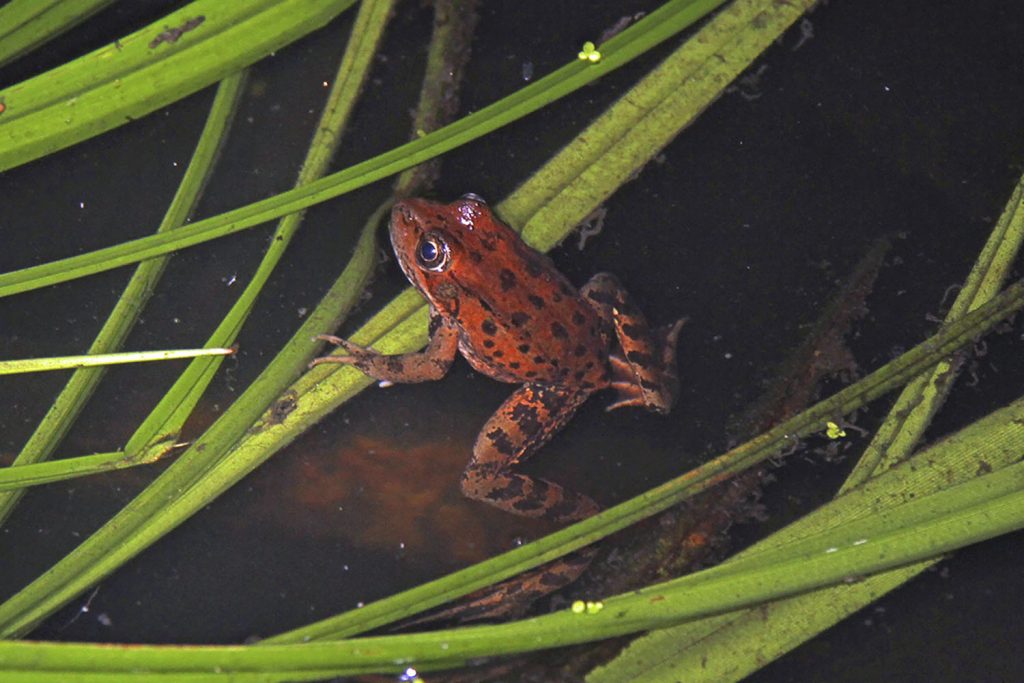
[{"x": 420, "y": 366}]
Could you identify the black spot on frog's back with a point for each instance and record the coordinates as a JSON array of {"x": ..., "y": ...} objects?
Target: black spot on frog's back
[{"x": 507, "y": 279}]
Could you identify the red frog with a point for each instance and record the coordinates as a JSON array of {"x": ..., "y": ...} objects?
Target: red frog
[{"x": 516, "y": 319}]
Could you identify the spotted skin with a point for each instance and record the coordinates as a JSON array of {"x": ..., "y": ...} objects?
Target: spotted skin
[
  {"x": 516, "y": 319},
  {"x": 524, "y": 423}
]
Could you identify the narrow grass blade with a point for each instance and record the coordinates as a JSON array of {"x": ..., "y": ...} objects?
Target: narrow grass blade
[
  {"x": 13, "y": 367},
  {"x": 921, "y": 399},
  {"x": 26, "y": 24},
  {"x": 184, "y": 52},
  {"x": 14, "y": 478},
  {"x": 80, "y": 387}
]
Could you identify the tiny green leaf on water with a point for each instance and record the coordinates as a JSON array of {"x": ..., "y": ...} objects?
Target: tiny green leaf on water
[{"x": 589, "y": 53}]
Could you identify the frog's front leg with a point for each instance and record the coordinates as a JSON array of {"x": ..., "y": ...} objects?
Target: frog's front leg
[
  {"x": 644, "y": 374},
  {"x": 422, "y": 366},
  {"x": 523, "y": 423}
]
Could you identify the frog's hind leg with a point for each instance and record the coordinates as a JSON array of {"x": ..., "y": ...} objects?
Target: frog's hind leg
[
  {"x": 644, "y": 373},
  {"x": 524, "y": 423}
]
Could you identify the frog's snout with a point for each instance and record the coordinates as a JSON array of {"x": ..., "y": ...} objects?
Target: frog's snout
[{"x": 401, "y": 211}]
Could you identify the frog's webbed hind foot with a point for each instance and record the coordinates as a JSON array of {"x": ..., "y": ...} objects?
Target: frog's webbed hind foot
[
  {"x": 644, "y": 365},
  {"x": 653, "y": 385}
]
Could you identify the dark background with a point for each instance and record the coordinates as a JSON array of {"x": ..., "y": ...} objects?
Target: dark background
[{"x": 867, "y": 119}]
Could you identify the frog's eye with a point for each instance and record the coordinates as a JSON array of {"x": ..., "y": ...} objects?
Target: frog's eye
[
  {"x": 474, "y": 196},
  {"x": 432, "y": 252}
]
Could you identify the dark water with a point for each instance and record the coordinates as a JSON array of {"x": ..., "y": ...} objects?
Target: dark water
[{"x": 869, "y": 119}]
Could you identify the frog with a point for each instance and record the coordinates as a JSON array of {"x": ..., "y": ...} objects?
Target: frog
[{"x": 516, "y": 318}]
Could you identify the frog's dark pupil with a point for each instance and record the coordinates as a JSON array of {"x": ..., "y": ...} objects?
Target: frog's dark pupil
[{"x": 428, "y": 252}]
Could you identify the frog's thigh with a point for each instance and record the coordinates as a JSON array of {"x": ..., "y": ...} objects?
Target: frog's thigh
[
  {"x": 524, "y": 422},
  {"x": 645, "y": 374}
]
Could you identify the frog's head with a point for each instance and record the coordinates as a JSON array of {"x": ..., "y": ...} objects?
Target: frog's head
[{"x": 444, "y": 248}]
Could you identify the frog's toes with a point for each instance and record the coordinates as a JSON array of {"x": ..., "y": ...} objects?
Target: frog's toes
[
  {"x": 330, "y": 339},
  {"x": 353, "y": 350},
  {"x": 629, "y": 394},
  {"x": 621, "y": 368},
  {"x": 670, "y": 333},
  {"x": 354, "y": 354},
  {"x": 332, "y": 359}
]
